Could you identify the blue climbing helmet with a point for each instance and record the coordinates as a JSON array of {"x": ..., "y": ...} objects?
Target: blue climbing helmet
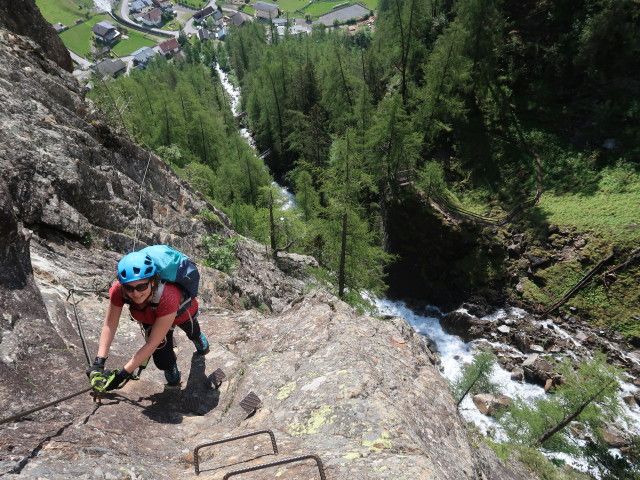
[{"x": 135, "y": 266}]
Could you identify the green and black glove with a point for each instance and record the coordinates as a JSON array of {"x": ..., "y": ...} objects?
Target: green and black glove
[
  {"x": 105, "y": 381},
  {"x": 116, "y": 379},
  {"x": 97, "y": 366}
]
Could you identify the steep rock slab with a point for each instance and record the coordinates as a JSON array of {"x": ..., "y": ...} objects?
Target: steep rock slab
[{"x": 361, "y": 393}]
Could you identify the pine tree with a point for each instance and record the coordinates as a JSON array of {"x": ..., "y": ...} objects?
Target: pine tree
[{"x": 588, "y": 395}]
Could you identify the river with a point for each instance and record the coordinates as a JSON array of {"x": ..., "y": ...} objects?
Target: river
[
  {"x": 454, "y": 353},
  {"x": 103, "y": 5}
]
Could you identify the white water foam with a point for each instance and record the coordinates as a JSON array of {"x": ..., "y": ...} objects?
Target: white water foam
[
  {"x": 455, "y": 353},
  {"x": 103, "y": 5}
]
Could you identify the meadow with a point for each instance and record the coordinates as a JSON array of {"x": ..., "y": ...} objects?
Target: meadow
[
  {"x": 65, "y": 11},
  {"x": 78, "y": 38},
  {"x": 317, "y": 9}
]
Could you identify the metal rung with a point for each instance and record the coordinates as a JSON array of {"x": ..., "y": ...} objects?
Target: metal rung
[
  {"x": 250, "y": 403},
  {"x": 196, "y": 460},
  {"x": 280, "y": 462},
  {"x": 191, "y": 403},
  {"x": 216, "y": 378}
]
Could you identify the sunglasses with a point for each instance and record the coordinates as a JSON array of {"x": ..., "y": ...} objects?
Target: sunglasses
[{"x": 141, "y": 287}]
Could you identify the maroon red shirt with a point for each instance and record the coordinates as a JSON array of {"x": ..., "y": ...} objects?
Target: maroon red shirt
[{"x": 169, "y": 303}]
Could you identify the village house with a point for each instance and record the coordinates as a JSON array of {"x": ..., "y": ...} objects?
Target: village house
[
  {"x": 140, "y": 5},
  {"x": 222, "y": 34},
  {"x": 204, "y": 34},
  {"x": 142, "y": 56},
  {"x": 110, "y": 67},
  {"x": 106, "y": 32},
  {"x": 240, "y": 18},
  {"x": 169, "y": 47},
  {"x": 201, "y": 15},
  {"x": 265, "y": 11},
  {"x": 164, "y": 5},
  {"x": 59, "y": 28},
  {"x": 152, "y": 18}
]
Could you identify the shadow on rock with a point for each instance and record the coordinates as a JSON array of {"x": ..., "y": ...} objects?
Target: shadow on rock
[
  {"x": 166, "y": 406},
  {"x": 198, "y": 396}
]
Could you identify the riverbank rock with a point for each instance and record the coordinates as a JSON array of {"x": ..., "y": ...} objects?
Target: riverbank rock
[
  {"x": 489, "y": 404},
  {"x": 466, "y": 326},
  {"x": 615, "y": 437},
  {"x": 538, "y": 370}
]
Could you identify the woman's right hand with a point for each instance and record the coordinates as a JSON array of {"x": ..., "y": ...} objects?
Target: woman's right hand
[{"x": 97, "y": 366}]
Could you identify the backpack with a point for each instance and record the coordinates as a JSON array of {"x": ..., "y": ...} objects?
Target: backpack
[{"x": 174, "y": 266}]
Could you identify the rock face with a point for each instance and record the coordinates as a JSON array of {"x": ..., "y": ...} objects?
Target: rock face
[
  {"x": 361, "y": 393},
  {"x": 23, "y": 17}
]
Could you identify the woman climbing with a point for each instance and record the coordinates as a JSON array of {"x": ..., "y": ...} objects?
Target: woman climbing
[{"x": 158, "y": 306}]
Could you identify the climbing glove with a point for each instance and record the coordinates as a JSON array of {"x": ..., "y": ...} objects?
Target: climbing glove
[
  {"x": 105, "y": 381},
  {"x": 117, "y": 379},
  {"x": 97, "y": 366}
]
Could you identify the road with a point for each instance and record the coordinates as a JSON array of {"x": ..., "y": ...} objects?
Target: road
[{"x": 82, "y": 62}]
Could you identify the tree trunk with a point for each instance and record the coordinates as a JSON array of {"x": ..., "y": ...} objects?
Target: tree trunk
[
  {"x": 272, "y": 225},
  {"x": 571, "y": 417},
  {"x": 343, "y": 257}
]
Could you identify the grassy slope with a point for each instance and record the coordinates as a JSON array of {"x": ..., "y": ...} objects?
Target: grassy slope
[
  {"x": 608, "y": 220},
  {"x": 317, "y": 9},
  {"x": 64, "y": 11}
]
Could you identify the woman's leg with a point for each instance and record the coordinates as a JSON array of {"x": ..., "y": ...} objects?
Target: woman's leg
[
  {"x": 192, "y": 328},
  {"x": 164, "y": 357}
]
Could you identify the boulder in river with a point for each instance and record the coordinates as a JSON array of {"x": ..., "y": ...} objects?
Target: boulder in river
[
  {"x": 489, "y": 404},
  {"x": 538, "y": 370},
  {"x": 465, "y": 326}
]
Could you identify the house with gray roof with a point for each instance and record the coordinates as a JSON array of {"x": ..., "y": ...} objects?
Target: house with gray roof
[
  {"x": 142, "y": 56},
  {"x": 58, "y": 27},
  {"x": 106, "y": 32},
  {"x": 139, "y": 5},
  {"x": 204, "y": 34},
  {"x": 267, "y": 7},
  {"x": 266, "y": 12},
  {"x": 239, "y": 18},
  {"x": 110, "y": 67}
]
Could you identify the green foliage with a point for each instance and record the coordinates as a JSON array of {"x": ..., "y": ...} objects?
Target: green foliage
[
  {"x": 588, "y": 395},
  {"x": 307, "y": 197},
  {"x": 200, "y": 177},
  {"x": 475, "y": 377},
  {"x": 210, "y": 218},
  {"x": 220, "y": 252},
  {"x": 543, "y": 467},
  {"x": 431, "y": 180},
  {"x": 621, "y": 178},
  {"x": 614, "y": 467}
]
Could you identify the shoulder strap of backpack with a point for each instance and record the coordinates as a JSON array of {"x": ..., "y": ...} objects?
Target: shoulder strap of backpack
[
  {"x": 185, "y": 301},
  {"x": 155, "y": 301}
]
